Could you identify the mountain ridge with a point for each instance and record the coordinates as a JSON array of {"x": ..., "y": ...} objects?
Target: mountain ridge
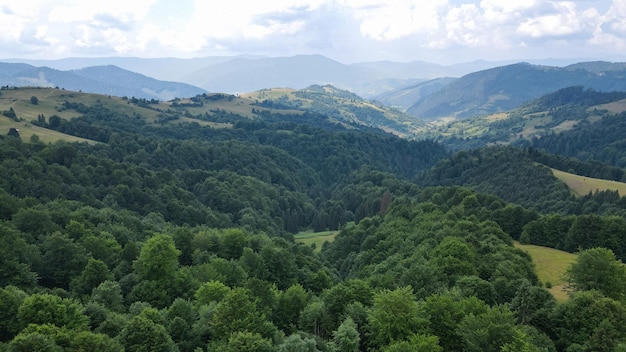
[
  {"x": 108, "y": 80},
  {"x": 506, "y": 87}
]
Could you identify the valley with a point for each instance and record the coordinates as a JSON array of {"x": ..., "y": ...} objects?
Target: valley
[{"x": 450, "y": 215}]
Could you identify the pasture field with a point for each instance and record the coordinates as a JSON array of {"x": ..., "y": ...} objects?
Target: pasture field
[
  {"x": 551, "y": 265},
  {"x": 27, "y": 130},
  {"x": 582, "y": 185},
  {"x": 318, "y": 238}
]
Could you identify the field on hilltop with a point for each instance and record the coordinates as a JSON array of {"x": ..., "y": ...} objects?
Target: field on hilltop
[{"x": 582, "y": 185}]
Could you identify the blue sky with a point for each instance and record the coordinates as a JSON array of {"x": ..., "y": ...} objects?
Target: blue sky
[{"x": 442, "y": 31}]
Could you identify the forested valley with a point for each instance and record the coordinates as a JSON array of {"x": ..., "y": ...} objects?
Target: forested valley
[{"x": 176, "y": 235}]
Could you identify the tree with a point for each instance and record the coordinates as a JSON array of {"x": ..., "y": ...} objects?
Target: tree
[
  {"x": 422, "y": 343},
  {"x": 588, "y": 319},
  {"x": 10, "y": 301},
  {"x": 142, "y": 334},
  {"x": 158, "y": 259},
  {"x": 531, "y": 303},
  {"x": 288, "y": 309},
  {"x": 33, "y": 342},
  {"x": 51, "y": 309},
  {"x": 63, "y": 259},
  {"x": 298, "y": 343},
  {"x": 394, "y": 315},
  {"x": 34, "y": 100},
  {"x": 95, "y": 273},
  {"x": 315, "y": 319},
  {"x": 14, "y": 132},
  {"x": 445, "y": 312},
  {"x": 347, "y": 336},
  {"x": 109, "y": 294},
  {"x": 489, "y": 331},
  {"x": 89, "y": 341},
  {"x": 597, "y": 269},
  {"x": 238, "y": 312},
  {"x": 212, "y": 291},
  {"x": 245, "y": 341}
]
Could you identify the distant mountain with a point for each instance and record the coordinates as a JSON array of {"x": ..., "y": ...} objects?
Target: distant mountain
[
  {"x": 504, "y": 88},
  {"x": 427, "y": 70},
  {"x": 110, "y": 80},
  {"x": 598, "y": 66},
  {"x": 168, "y": 69},
  {"x": 247, "y": 73},
  {"x": 404, "y": 98}
]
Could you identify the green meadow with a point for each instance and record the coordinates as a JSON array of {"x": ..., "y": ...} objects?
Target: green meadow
[
  {"x": 551, "y": 265},
  {"x": 582, "y": 185},
  {"x": 309, "y": 238}
]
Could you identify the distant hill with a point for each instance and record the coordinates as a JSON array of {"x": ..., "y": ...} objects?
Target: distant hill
[
  {"x": 504, "y": 88},
  {"x": 540, "y": 120},
  {"x": 339, "y": 105},
  {"x": 109, "y": 80}
]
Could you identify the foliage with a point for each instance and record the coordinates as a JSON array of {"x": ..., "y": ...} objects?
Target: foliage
[
  {"x": 179, "y": 237},
  {"x": 597, "y": 269}
]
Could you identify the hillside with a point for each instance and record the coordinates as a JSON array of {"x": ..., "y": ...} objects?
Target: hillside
[
  {"x": 581, "y": 185},
  {"x": 523, "y": 177},
  {"x": 405, "y": 97},
  {"x": 551, "y": 266},
  {"x": 567, "y": 109},
  {"x": 339, "y": 105},
  {"x": 176, "y": 231},
  {"x": 503, "y": 88}
]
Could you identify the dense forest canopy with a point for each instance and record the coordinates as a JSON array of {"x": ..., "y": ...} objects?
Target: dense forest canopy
[{"x": 174, "y": 235}]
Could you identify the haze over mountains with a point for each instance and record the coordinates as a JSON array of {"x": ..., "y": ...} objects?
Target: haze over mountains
[{"x": 424, "y": 90}]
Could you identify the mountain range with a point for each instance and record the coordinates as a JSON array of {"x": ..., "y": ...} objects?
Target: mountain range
[
  {"x": 108, "y": 80},
  {"x": 246, "y": 73},
  {"x": 423, "y": 90}
]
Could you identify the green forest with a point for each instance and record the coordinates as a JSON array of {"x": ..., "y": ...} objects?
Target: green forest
[{"x": 171, "y": 234}]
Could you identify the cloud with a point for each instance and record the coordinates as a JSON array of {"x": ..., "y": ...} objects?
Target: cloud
[
  {"x": 34, "y": 36},
  {"x": 389, "y": 20},
  {"x": 348, "y": 30},
  {"x": 564, "y": 20}
]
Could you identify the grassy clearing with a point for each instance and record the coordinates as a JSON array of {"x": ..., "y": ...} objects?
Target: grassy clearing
[
  {"x": 551, "y": 265},
  {"x": 318, "y": 238},
  {"x": 615, "y": 107},
  {"x": 45, "y": 135},
  {"x": 581, "y": 185}
]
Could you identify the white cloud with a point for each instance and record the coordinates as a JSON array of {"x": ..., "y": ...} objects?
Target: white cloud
[
  {"x": 565, "y": 20},
  {"x": 355, "y": 30},
  {"x": 388, "y": 20}
]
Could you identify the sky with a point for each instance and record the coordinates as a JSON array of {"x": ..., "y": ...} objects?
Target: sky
[{"x": 440, "y": 31}]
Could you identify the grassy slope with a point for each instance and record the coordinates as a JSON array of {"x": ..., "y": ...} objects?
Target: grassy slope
[
  {"x": 51, "y": 100},
  {"x": 344, "y": 106},
  {"x": 529, "y": 126},
  {"x": 318, "y": 238},
  {"x": 581, "y": 185},
  {"x": 551, "y": 265}
]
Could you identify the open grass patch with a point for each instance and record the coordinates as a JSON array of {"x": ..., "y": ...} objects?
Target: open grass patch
[
  {"x": 551, "y": 265},
  {"x": 309, "y": 238},
  {"x": 582, "y": 185}
]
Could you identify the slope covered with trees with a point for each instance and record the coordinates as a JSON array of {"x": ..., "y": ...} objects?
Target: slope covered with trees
[{"x": 179, "y": 237}]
